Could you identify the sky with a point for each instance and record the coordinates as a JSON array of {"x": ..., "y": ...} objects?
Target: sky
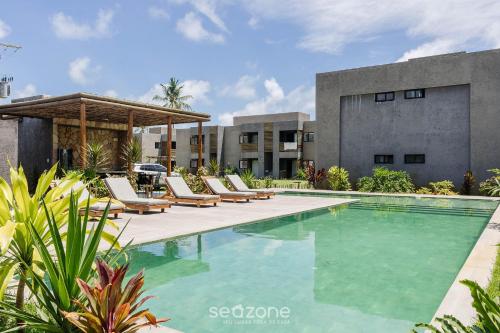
[{"x": 234, "y": 57}]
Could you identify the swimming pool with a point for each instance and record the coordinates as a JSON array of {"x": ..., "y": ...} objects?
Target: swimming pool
[{"x": 378, "y": 265}]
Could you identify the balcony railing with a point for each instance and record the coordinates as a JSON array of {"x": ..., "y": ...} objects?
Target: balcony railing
[
  {"x": 289, "y": 146},
  {"x": 249, "y": 147}
]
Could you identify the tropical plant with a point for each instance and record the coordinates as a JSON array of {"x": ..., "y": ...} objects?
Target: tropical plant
[
  {"x": 62, "y": 258},
  {"x": 97, "y": 158},
  {"x": 385, "y": 180},
  {"x": 109, "y": 308},
  {"x": 444, "y": 187},
  {"x": 213, "y": 168},
  {"x": 491, "y": 186},
  {"x": 301, "y": 174},
  {"x": 248, "y": 178},
  {"x": 172, "y": 96},
  {"x": 487, "y": 311},
  {"x": 131, "y": 153},
  {"x": 18, "y": 211},
  {"x": 181, "y": 171},
  {"x": 230, "y": 170},
  {"x": 268, "y": 182},
  {"x": 195, "y": 182},
  {"x": 315, "y": 178},
  {"x": 338, "y": 179},
  {"x": 468, "y": 184}
]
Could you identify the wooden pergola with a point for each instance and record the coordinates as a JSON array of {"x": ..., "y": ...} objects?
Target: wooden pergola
[{"x": 87, "y": 107}]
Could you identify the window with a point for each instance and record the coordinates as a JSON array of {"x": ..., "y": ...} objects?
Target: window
[
  {"x": 243, "y": 138},
  {"x": 309, "y": 137},
  {"x": 384, "y": 97},
  {"x": 174, "y": 145},
  {"x": 384, "y": 159},
  {"x": 194, "y": 139},
  {"x": 414, "y": 93},
  {"x": 194, "y": 163},
  {"x": 252, "y": 137},
  {"x": 288, "y": 136},
  {"x": 157, "y": 145},
  {"x": 414, "y": 158},
  {"x": 243, "y": 164}
]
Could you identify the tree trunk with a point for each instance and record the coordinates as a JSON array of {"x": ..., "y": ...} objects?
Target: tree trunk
[{"x": 20, "y": 297}]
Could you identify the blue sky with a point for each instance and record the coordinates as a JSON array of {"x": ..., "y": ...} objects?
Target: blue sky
[{"x": 234, "y": 57}]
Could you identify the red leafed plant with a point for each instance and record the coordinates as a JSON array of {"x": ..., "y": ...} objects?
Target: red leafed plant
[{"x": 108, "y": 307}]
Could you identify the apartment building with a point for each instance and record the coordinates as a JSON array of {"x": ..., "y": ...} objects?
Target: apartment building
[
  {"x": 268, "y": 145},
  {"x": 435, "y": 117}
]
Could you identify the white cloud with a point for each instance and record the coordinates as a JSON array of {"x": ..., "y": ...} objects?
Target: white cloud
[
  {"x": 4, "y": 29},
  {"x": 27, "y": 91},
  {"x": 82, "y": 72},
  {"x": 158, "y": 13},
  {"x": 111, "y": 93},
  {"x": 300, "y": 99},
  {"x": 199, "y": 89},
  {"x": 66, "y": 27},
  {"x": 446, "y": 26},
  {"x": 244, "y": 88},
  {"x": 207, "y": 8},
  {"x": 253, "y": 22},
  {"x": 191, "y": 27}
]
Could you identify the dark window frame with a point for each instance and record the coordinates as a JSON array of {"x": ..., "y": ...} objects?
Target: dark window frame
[
  {"x": 308, "y": 136},
  {"x": 385, "y": 96},
  {"x": 194, "y": 139},
  {"x": 157, "y": 145},
  {"x": 414, "y": 158},
  {"x": 383, "y": 159},
  {"x": 243, "y": 161},
  {"x": 421, "y": 92},
  {"x": 194, "y": 163}
]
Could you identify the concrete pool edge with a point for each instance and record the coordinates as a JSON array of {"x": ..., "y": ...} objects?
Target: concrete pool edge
[{"x": 477, "y": 267}]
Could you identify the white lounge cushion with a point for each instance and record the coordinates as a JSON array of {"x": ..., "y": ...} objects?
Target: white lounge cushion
[
  {"x": 218, "y": 188},
  {"x": 121, "y": 189},
  {"x": 240, "y": 186},
  {"x": 182, "y": 191},
  {"x": 147, "y": 201}
]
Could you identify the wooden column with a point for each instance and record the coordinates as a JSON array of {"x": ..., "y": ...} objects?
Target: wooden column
[
  {"x": 200, "y": 144},
  {"x": 169, "y": 146},
  {"x": 83, "y": 135},
  {"x": 130, "y": 135}
]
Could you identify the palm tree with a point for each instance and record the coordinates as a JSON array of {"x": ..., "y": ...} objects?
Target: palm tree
[{"x": 172, "y": 95}]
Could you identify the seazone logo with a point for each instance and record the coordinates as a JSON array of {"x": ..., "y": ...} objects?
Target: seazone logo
[{"x": 244, "y": 315}]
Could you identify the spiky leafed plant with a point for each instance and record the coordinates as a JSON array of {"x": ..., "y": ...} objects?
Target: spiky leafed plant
[
  {"x": 97, "y": 158},
  {"x": 213, "y": 168},
  {"x": 109, "y": 308},
  {"x": 172, "y": 96},
  {"x": 131, "y": 153},
  {"x": 248, "y": 178}
]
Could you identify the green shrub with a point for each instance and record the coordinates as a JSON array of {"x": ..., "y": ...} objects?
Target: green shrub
[
  {"x": 491, "y": 186},
  {"x": 301, "y": 174},
  {"x": 388, "y": 181},
  {"x": 195, "y": 182},
  {"x": 338, "y": 179},
  {"x": 248, "y": 178},
  {"x": 468, "y": 184},
  {"x": 487, "y": 315},
  {"x": 268, "y": 182},
  {"x": 444, "y": 187},
  {"x": 230, "y": 170},
  {"x": 213, "y": 168}
]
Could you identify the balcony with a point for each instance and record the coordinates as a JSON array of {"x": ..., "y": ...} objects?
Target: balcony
[
  {"x": 289, "y": 146},
  {"x": 249, "y": 142}
]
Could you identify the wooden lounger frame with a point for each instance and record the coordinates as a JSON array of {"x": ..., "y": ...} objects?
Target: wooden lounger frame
[
  {"x": 98, "y": 212},
  {"x": 257, "y": 194},
  {"x": 228, "y": 196},
  {"x": 170, "y": 196}
]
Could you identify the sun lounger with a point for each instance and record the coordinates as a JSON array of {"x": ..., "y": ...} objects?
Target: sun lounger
[
  {"x": 216, "y": 187},
  {"x": 240, "y": 186},
  {"x": 182, "y": 194},
  {"x": 96, "y": 208},
  {"x": 121, "y": 190}
]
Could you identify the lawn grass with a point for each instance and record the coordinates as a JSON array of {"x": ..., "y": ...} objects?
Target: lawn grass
[
  {"x": 494, "y": 286},
  {"x": 286, "y": 183}
]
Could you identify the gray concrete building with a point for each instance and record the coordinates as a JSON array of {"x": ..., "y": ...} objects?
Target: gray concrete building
[{"x": 435, "y": 117}]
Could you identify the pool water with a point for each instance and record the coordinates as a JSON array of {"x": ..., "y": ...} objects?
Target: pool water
[{"x": 380, "y": 264}]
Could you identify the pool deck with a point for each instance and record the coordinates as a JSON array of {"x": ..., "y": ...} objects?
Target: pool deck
[{"x": 187, "y": 220}]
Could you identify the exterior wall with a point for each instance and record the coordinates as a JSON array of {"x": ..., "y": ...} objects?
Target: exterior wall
[
  {"x": 437, "y": 126},
  {"x": 8, "y": 146},
  {"x": 478, "y": 70},
  {"x": 147, "y": 141},
  {"x": 68, "y": 137},
  {"x": 35, "y": 147},
  {"x": 309, "y": 148},
  {"x": 183, "y": 151},
  {"x": 231, "y": 147}
]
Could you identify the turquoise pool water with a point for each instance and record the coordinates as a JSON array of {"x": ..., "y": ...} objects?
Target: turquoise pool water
[{"x": 377, "y": 265}]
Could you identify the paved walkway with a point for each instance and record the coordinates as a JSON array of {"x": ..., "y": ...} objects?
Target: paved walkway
[{"x": 187, "y": 220}]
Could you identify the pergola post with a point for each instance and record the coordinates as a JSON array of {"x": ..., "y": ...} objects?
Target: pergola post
[
  {"x": 200, "y": 147},
  {"x": 169, "y": 146},
  {"x": 130, "y": 133},
  {"x": 83, "y": 135}
]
